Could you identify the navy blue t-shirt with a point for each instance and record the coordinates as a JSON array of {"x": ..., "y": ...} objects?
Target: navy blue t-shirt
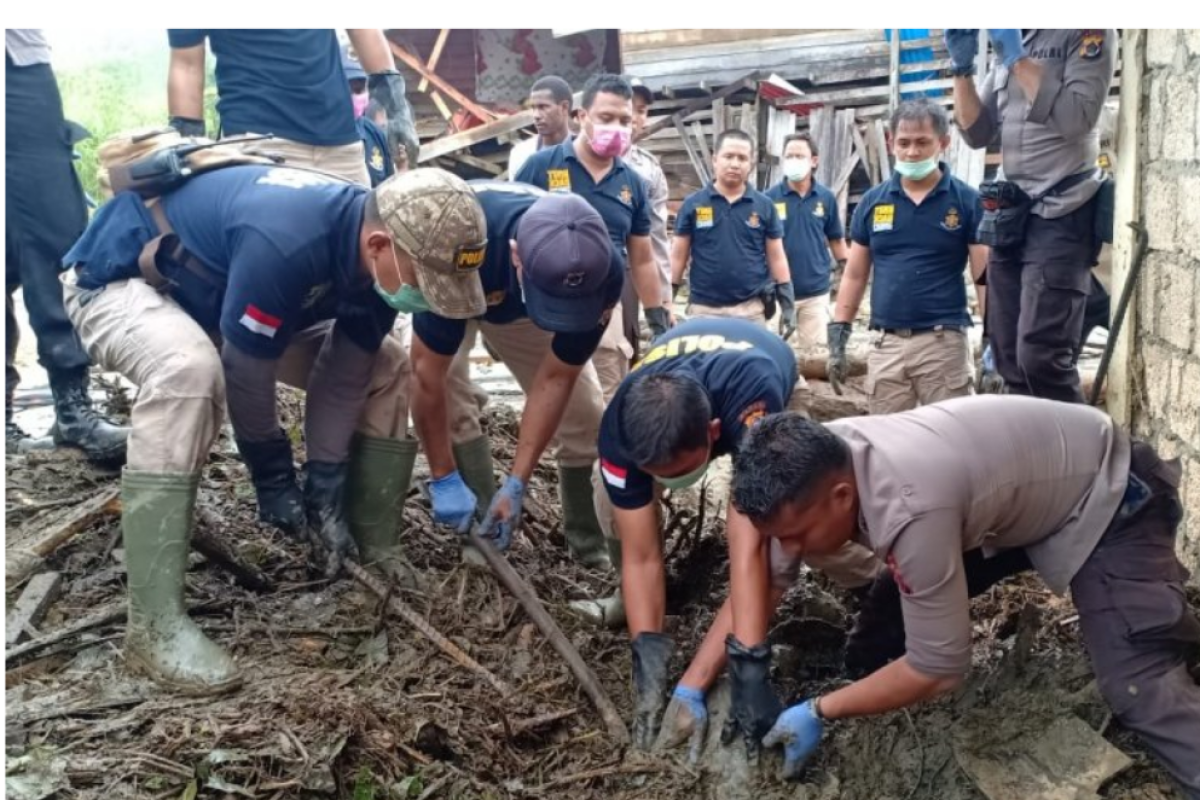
[
  {"x": 283, "y": 242},
  {"x": 504, "y": 204},
  {"x": 747, "y": 371},
  {"x": 288, "y": 82},
  {"x": 620, "y": 196},
  {"x": 375, "y": 148},
  {"x": 809, "y": 222},
  {"x": 918, "y": 252},
  {"x": 729, "y": 245}
]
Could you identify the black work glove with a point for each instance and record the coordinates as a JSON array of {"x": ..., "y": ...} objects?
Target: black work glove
[
  {"x": 659, "y": 321},
  {"x": 328, "y": 528},
  {"x": 785, "y": 294},
  {"x": 651, "y": 653},
  {"x": 753, "y": 706},
  {"x": 187, "y": 126},
  {"x": 280, "y": 502},
  {"x": 387, "y": 89},
  {"x": 839, "y": 334},
  {"x": 770, "y": 305},
  {"x": 877, "y": 636}
]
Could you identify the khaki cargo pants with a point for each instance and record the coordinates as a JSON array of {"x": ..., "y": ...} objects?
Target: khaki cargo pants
[
  {"x": 344, "y": 160},
  {"x": 812, "y": 324},
  {"x": 907, "y": 370},
  {"x": 751, "y": 309},
  {"x": 128, "y": 327}
]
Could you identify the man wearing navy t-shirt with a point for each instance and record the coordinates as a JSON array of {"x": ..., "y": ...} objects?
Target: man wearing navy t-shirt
[
  {"x": 551, "y": 280},
  {"x": 917, "y": 232},
  {"x": 289, "y": 83},
  {"x": 298, "y": 276}
]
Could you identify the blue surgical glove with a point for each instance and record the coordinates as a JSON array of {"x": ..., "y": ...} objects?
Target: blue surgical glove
[
  {"x": 504, "y": 514},
  {"x": 799, "y": 730},
  {"x": 1008, "y": 44},
  {"x": 963, "y": 44},
  {"x": 687, "y": 718},
  {"x": 453, "y": 502}
]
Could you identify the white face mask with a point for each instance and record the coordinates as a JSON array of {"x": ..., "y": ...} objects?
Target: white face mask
[{"x": 797, "y": 169}]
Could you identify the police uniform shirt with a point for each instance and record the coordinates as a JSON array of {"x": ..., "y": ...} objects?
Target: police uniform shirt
[
  {"x": 994, "y": 472},
  {"x": 286, "y": 82},
  {"x": 281, "y": 244},
  {"x": 919, "y": 252},
  {"x": 729, "y": 244},
  {"x": 503, "y": 205},
  {"x": 375, "y": 149},
  {"x": 809, "y": 222},
  {"x": 620, "y": 196},
  {"x": 1057, "y": 135},
  {"x": 746, "y": 370}
]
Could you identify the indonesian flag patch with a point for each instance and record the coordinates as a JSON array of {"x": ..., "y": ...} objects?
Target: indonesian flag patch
[
  {"x": 258, "y": 321},
  {"x": 614, "y": 475}
]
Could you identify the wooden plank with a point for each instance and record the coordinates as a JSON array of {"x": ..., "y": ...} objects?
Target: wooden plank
[
  {"x": 718, "y": 116},
  {"x": 864, "y": 155},
  {"x": 442, "y": 108},
  {"x": 747, "y": 81},
  {"x": 862, "y": 93},
  {"x": 477, "y": 163},
  {"x": 698, "y": 165},
  {"x": 879, "y": 136},
  {"x": 434, "y": 56},
  {"x": 894, "y": 70},
  {"x": 449, "y": 89},
  {"x": 701, "y": 141},
  {"x": 31, "y": 607},
  {"x": 460, "y": 141}
]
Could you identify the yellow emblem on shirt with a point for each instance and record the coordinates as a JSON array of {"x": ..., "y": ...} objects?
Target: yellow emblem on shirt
[
  {"x": 952, "y": 221},
  {"x": 781, "y": 210},
  {"x": 1091, "y": 44},
  {"x": 558, "y": 180},
  {"x": 376, "y": 159},
  {"x": 626, "y": 195},
  {"x": 704, "y": 217},
  {"x": 752, "y": 220},
  {"x": 884, "y": 218},
  {"x": 819, "y": 209}
]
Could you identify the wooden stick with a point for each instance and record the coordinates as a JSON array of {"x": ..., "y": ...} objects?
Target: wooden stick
[
  {"x": 549, "y": 628},
  {"x": 405, "y": 612},
  {"x": 32, "y": 606},
  {"x": 522, "y": 725},
  {"x": 434, "y": 56},
  {"x": 81, "y": 518},
  {"x": 447, "y": 88},
  {"x": 98, "y": 619},
  {"x": 216, "y": 551}
]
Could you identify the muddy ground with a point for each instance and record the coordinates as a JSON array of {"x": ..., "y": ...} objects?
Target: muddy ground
[{"x": 342, "y": 700}]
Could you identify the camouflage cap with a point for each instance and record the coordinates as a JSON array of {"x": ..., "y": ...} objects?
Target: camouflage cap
[{"x": 434, "y": 217}]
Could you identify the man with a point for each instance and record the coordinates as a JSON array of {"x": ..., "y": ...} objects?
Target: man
[
  {"x": 591, "y": 165},
  {"x": 917, "y": 231},
  {"x": 1043, "y": 99},
  {"x": 289, "y": 83},
  {"x": 551, "y": 279},
  {"x": 812, "y": 230},
  {"x": 734, "y": 238},
  {"x": 688, "y": 402},
  {"x": 1092, "y": 512},
  {"x": 550, "y": 101},
  {"x": 380, "y": 164},
  {"x": 44, "y": 213},
  {"x": 301, "y": 276}
]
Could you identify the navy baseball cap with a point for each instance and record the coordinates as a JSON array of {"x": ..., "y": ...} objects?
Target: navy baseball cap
[
  {"x": 351, "y": 65},
  {"x": 566, "y": 259}
]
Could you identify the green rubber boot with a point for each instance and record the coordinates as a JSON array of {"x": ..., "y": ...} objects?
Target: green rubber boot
[
  {"x": 380, "y": 474},
  {"x": 474, "y": 460},
  {"x": 160, "y": 639},
  {"x": 581, "y": 529}
]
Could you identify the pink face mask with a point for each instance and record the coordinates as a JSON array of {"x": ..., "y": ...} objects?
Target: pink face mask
[
  {"x": 360, "y": 101},
  {"x": 610, "y": 141}
]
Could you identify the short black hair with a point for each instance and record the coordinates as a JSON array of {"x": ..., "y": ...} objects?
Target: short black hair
[
  {"x": 920, "y": 110},
  {"x": 662, "y": 414},
  {"x": 605, "y": 82},
  {"x": 783, "y": 459},
  {"x": 559, "y": 89},
  {"x": 803, "y": 136},
  {"x": 732, "y": 133}
]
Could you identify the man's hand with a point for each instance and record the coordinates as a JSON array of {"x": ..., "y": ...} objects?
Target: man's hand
[
  {"x": 753, "y": 706},
  {"x": 1008, "y": 44},
  {"x": 838, "y": 334},
  {"x": 659, "y": 321},
  {"x": 651, "y": 654},
  {"x": 280, "y": 501},
  {"x": 686, "y": 720},
  {"x": 785, "y": 294},
  {"x": 387, "y": 89},
  {"x": 799, "y": 730},
  {"x": 328, "y": 528},
  {"x": 453, "y": 502},
  {"x": 504, "y": 514},
  {"x": 963, "y": 44}
]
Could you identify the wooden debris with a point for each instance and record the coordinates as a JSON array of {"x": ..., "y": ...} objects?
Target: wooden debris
[
  {"x": 21, "y": 563},
  {"x": 207, "y": 541},
  {"x": 100, "y": 618},
  {"x": 27, "y": 613},
  {"x": 460, "y": 141}
]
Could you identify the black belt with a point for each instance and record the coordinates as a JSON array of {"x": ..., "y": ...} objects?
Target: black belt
[{"x": 907, "y": 333}]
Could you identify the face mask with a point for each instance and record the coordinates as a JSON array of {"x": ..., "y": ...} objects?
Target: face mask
[
  {"x": 684, "y": 481},
  {"x": 797, "y": 169},
  {"x": 408, "y": 299},
  {"x": 360, "y": 102},
  {"x": 916, "y": 170},
  {"x": 609, "y": 141}
]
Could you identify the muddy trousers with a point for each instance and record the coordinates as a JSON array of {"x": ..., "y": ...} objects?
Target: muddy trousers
[
  {"x": 130, "y": 328},
  {"x": 1139, "y": 631}
]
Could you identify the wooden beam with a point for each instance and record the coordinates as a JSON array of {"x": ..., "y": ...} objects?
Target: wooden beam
[
  {"x": 463, "y": 140},
  {"x": 31, "y": 607},
  {"x": 436, "y": 54},
  {"x": 749, "y": 81},
  {"x": 448, "y": 88},
  {"x": 840, "y": 96},
  {"x": 894, "y": 70},
  {"x": 698, "y": 164},
  {"x": 477, "y": 163}
]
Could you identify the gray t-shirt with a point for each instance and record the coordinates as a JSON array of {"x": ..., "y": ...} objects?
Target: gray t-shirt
[
  {"x": 995, "y": 472},
  {"x": 26, "y": 46}
]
